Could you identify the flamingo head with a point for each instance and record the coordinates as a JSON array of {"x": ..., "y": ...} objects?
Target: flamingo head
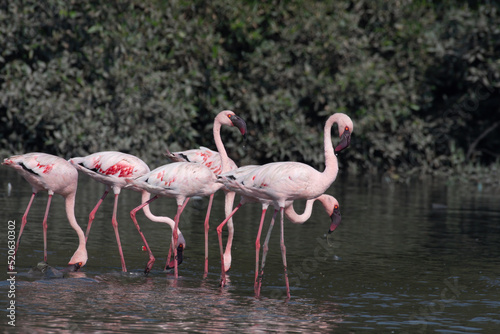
[
  {"x": 229, "y": 118},
  {"x": 345, "y": 129},
  {"x": 78, "y": 260},
  {"x": 335, "y": 218}
]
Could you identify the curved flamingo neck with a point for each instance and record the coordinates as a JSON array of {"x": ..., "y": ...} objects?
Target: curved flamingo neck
[
  {"x": 159, "y": 219},
  {"x": 296, "y": 218},
  {"x": 220, "y": 147},
  {"x": 70, "y": 213},
  {"x": 331, "y": 162}
]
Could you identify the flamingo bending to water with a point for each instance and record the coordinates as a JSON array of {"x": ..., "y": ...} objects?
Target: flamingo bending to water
[
  {"x": 55, "y": 175},
  {"x": 213, "y": 160},
  {"x": 183, "y": 180},
  {"x": 279, "y": 182},
  {"x": 112, "y": 168}
]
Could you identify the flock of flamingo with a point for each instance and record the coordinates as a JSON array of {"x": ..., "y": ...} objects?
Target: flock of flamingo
[{"x": 196, "y": 172}]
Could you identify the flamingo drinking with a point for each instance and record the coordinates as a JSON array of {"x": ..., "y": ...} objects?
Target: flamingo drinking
[
  {"x": 55, "y": 175},
  {"x": 183, "y": 180},
  {"x": 279, "y": 182}
]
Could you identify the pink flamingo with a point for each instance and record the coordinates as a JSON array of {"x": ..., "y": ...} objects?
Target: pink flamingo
[
  {"x": 112, "y": 168},
  {"x": 279, "y": 182},
  {"x": 213, "y": 160},
  {"x": 330, "y": 204},
  {"x": 55, "y": 175},
  {"x": 183, "y": 180}
]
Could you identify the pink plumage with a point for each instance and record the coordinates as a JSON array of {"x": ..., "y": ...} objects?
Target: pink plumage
[
  {"x": 112, "y": 169},
  {"x": 55, "y": 175},
  {"x": 279, "y": 182}
]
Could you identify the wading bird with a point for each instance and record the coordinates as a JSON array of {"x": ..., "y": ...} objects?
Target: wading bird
[
  {"x": 279, "y": 182},
  {"x": 111, "y": 168},
  {"x": 183, "y": 180},
  {"x": 55, "y": 175},
  {"x": 218, "y": 163}
]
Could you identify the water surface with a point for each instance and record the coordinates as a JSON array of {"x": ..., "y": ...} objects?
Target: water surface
[{"x": 409, "y": 258}]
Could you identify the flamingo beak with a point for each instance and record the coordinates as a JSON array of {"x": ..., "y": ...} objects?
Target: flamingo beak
[
  {"x": 180, "y": 250},
  {"x": 336, "y": 218},
  {"x": 345, "y": 140},
  {"x": 240, "y": 124},
  {"x": 72, "y": 267}
]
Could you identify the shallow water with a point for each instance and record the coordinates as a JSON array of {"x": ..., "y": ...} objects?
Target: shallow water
[{"x": 422, "y": 257}]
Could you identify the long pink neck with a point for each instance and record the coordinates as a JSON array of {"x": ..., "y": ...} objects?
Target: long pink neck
[
  {"x": 220, "y": 147},
  {"x": 296, "y": 218},
  {"x": 70, "y": 213},
  {"x": 159, "y": 219},
  {"x": 331, "y": 163}
]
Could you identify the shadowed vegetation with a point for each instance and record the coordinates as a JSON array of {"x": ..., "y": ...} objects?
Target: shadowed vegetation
[{"x": 420, "y": 80}]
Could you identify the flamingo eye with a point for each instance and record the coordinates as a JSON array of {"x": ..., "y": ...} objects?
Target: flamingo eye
[
  {"x": 229, "y": 116},
  {"x": 346, "y": 128},
  {"x": 336, "y": 206}
]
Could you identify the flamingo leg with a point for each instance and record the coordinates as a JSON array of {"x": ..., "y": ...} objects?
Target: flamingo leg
[
  {"x": 151, "y": 261},
  {"x": 44, "y": 224},
  {"x": 264, "y": 251},
  {"x": 93, "y": 212},
  {"x": 205, "y": 273},
  {"x": 228, "y": 207},
  {"x": 114, "y": 222},
  {"x": 219, "y": 234},
  {"x": 176, "y": 237},
  {"x": 257, "y": 247},
  {"x": 283, "y": 254},
  {"x": 172, "y": 243},
  {"x": 24, "y": 221}
]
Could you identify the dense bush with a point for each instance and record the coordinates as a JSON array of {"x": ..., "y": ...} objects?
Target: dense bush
[{"x": 420, "y": 80}]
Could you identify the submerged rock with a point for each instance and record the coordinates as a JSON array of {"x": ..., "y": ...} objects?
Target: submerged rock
[{"x": 43, "y": 270}]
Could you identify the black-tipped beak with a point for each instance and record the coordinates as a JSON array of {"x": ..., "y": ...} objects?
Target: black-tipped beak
[
  {"x": 180, "y": 250},
  {"x": 240, "y": 124},
  {"x": 345, "y": 140},
  {"x": 336, "y": 219},
  {"x": 72, "y": 267}
]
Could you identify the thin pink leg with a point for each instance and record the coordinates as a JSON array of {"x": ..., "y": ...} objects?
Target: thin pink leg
[
  {"x": 176, "y": 238},
  {"x": 257, "y": 249},
  {"x": 24, "y": 221},
  {"x": 205, "y": 273},
  {"x": 167, "y": 265},
  {"x": 151, "y": 261},
  {"x": 44, "y": 224},
  {"x": 219, "y": 234},
  {"x": 114, "y": 222},
  {"x": 265, "y": 249},
  {"x": 283, "y": 254},
  {"x": 228, "y": 207},
  {"x": 93, "y": 212}
]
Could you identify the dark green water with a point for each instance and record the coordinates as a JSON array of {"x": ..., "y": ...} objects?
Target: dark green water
[{"x": 423, "y": 257}]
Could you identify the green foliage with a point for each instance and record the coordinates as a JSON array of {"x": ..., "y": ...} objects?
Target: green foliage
[{"x": 420, "y": 80}]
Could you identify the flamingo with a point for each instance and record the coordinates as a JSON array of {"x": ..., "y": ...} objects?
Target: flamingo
[
  {"x": 279, "y": 182},
  {"x": 182, "y": 180},
  {"x": 55, "y": 175},
  {"x": 112, "y": 168},
  {"x": 212, "y": 160},
  {"x": 330, "y": 204}
]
